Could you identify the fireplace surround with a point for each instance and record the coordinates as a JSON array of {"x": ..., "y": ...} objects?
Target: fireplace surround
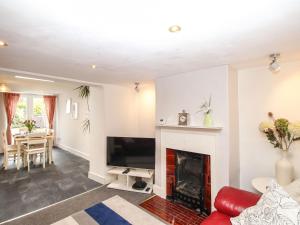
[
  {"x": 188, "y": 179},
  {"x": 207, "y": 141}
]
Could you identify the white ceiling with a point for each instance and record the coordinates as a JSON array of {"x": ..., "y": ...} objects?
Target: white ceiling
[
  {"x": 35, "y": 87},
  {"x": 129, "y": 40}
]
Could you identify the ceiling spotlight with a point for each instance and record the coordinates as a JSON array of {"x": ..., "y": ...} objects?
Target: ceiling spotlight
[
  {"x": 94, "y": 66},
  {"x": 274, "y": 66},
  {"x": 137, "y": 86},
  {"x": 3, "y": 44},
  {"x": 174, "y": 28}
]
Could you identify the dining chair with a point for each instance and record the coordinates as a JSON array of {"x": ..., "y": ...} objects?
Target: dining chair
[
  {"x": 35, "y": 146},
  {"x": 10, "y": 151},
  {"x": 37, "y": 135}
]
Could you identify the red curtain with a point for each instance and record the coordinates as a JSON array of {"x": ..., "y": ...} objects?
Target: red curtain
[
  {"x": 10, "y": 103},
  {"x": 50, "y": 109}
]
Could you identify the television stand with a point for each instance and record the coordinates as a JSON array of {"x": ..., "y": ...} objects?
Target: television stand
[{"x": 134, "y": 180}]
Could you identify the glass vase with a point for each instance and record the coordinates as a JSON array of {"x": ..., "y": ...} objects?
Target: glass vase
[{"x": 207, "y": 121}]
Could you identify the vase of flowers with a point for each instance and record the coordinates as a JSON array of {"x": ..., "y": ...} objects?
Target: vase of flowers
[
  {"x": 30, "y": 124},
  {"x": 207, "y": 110},
  {"x": 281, "y": 134}
]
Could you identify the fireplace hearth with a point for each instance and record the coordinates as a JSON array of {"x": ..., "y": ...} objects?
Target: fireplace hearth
[{"x": 188, "y": 180}]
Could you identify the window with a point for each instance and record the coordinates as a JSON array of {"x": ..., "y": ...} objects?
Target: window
[
  {"x": 39, "y": 112},
  {"x": 21, "y": 113},
  {"x": 30, "y": 107}
]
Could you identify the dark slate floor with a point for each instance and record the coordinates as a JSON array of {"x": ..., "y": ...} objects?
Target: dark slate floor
[{"x": 22, "y": 192}]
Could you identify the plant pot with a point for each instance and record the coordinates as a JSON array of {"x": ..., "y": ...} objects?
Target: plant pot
[
  {"x": 207, "y": 121},
  {"x": 284, "y": 170}
]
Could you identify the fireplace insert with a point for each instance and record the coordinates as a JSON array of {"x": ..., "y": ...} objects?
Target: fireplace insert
[{"x": 191, "y": 181}]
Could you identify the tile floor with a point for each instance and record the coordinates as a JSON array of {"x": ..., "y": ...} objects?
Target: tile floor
[
  {"x": 22, "y": 192},
  {"x": 171, "y": 212}
]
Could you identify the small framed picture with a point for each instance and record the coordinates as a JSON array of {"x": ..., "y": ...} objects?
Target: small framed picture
[
  {"x": 75, "y": 110},
  {"x": 68, "y": 106}
]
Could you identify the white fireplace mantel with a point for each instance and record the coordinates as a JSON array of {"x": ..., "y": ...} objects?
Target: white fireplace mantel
[
  {"x": 215, "y": 128},
  {"x": 191, "y": 139}
]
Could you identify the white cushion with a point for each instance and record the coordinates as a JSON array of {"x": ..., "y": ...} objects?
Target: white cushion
[
  {"x": 294, "y": 190},
  {"x": 275, "y": 207}
]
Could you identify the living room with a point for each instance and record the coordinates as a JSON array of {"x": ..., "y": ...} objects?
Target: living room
[{"x": 209, "y": 93}]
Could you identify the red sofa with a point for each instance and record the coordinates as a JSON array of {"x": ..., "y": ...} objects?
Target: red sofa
[{"x": 230, "y": 202}]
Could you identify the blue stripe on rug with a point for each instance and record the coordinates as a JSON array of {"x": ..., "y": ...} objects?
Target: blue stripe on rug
[{"x": 105, "y": 216}]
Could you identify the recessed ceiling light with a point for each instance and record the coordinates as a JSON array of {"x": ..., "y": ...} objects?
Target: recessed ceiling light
[
  {"x": 3, "y": 44},
  {"x": 94, "y": 66},
  {"x": 174, "y": 28},
  {"x": 31, "y": 78}
]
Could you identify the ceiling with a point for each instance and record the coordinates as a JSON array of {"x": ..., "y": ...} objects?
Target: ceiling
[
  {"x": 36, "y": 87},
  {"x": 129, "y": 40}
]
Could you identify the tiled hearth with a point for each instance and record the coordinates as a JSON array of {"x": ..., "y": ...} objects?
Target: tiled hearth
[{"x": 171, "y": 212}]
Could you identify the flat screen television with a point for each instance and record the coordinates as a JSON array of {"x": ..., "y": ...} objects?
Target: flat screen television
[{"x": 131, "y": 152}]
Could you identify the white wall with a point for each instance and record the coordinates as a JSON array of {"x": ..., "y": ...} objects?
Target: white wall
[
  {"x": 69, "y": 134},
  {"x": 97, "y": 136},
  {"x": 145, "y": 99},
  {"x": 129, "y": 113},
  {"x": 234, "y": 153},
  {"x": 118, "y": 111},
  {"x": 188, "y": 91},
  {"x": 2, "y": 120},
  {"x": 261, "y": 92}
]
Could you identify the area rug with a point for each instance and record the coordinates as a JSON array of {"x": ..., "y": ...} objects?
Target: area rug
[
  {"x": 113, "y": 211},
  {"x": 171, "y": 212}
]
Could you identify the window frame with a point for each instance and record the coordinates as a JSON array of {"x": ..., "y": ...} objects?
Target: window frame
[{"x": 30, "y": 110}]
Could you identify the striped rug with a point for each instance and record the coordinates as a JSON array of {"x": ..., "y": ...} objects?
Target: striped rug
[{"x": 113, "y": 211}]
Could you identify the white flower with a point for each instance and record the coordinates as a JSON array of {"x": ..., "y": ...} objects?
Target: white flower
[
  {"x": 294, "y": 128},
  {"x": 263, "y": 126}
]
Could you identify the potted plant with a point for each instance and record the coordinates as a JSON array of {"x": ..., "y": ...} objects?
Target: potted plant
[
  {"x": 206, "y": 109},
  {"x": 282, "y": 134},
  {"x": 84, "y": 93},
  {"x": 30, "y": 124}
]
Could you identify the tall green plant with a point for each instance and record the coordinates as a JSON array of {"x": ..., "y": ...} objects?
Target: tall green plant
[{"x": 84, "y": 93}]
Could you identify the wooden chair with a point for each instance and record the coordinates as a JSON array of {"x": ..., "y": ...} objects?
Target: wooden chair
[
  {"x": 35, "y": 146},
  {"x": 50, "y": 144},
  {"x": 37, "y": 135},
  {"x": 10, "y": 151}
]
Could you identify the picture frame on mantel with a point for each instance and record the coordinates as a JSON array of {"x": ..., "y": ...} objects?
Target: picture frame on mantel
[
  {"x": 68, "y": 106},
  {"x": 75, "y": 110}
]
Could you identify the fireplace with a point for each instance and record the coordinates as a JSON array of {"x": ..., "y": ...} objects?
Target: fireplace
[{"x": 188, "y": 179}]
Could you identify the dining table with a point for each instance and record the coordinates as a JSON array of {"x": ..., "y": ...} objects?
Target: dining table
[{"x": 21, "y": 139}]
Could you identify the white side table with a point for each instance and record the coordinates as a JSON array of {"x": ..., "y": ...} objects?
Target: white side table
[{"x": 260, "y": 183}]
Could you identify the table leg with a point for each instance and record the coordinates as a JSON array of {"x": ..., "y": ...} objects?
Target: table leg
[
  {"x": 18, "y": 154},
  {"x": 50, "y": 151}
]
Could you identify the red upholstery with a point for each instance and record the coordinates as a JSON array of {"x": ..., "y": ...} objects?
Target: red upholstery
[
  {"x": 230, "y": 202},
  {"x": 217, "y": 218}
]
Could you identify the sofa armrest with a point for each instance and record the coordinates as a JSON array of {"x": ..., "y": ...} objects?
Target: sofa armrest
[{"x": 232, "y": 201}]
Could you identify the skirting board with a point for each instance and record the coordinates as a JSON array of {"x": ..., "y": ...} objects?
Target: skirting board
[
  {"x": 98, "y": 178},
  {"x": 158, "y": 190},
  {"x": 73, "y": 151}
]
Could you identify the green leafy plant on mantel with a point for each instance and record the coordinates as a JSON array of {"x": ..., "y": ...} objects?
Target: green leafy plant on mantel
[{"x": 84, "y": 93}]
